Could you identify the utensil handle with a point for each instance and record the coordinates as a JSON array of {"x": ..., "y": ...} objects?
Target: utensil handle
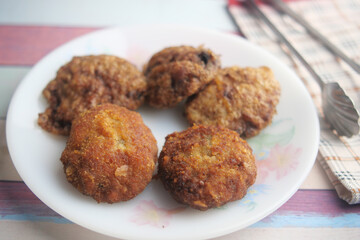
[
  {"x": 282, "y": 7},
  {"x": 283, "y": 39},
  {"x": 233, "y": 19}
]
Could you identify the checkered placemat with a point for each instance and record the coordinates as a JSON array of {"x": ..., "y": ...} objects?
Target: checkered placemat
[{"x": 339, "y": 21}]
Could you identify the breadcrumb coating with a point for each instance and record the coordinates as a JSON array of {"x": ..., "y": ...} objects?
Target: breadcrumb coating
[
  {"x": 88, "y": 81},
  {"x": 176, "y": 73},
  {"x": 110, "y": 154},
  {"x": 242, "y": 99},
  {"x": 206, "y": 166}
]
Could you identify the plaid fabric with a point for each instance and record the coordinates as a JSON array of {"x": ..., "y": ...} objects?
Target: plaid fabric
[{"x": 339, "y": 21}]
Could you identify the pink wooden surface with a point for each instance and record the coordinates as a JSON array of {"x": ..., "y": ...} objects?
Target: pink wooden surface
[
  {"x": 17, "y": 202},
  {"x": 25, "y": 45}
]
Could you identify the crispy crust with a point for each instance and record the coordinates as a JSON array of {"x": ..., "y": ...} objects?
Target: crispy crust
[
  {"x": 110, "y": 154},
  {"x": 206, "y": 166},
  {"x": 242, "y": 99},
  {"x": 87, "y": 81},
  {"x": 175, "y": 73}
]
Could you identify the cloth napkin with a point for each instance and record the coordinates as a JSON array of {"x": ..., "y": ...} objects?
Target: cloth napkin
[{"x": 339, "y": 21}]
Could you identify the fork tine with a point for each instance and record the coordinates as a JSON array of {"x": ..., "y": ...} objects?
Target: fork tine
[
  {"x": 282, "y": 7},
  {"x": 345, "y": 121},
  {"x": 282, "y": 38}
]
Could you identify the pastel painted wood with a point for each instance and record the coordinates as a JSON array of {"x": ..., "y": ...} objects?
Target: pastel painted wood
[
  {"x": 25, "y": 45},
  {"x": 31, "y": 29},
  {"x": 307, "y": 208}
]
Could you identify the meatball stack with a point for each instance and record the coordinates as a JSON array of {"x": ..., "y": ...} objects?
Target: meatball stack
[{"x": 111, "y": 155}]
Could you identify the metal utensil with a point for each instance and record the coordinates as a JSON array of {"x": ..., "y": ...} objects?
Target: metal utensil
[
  {"x": 282, "y": 7},
  {"x": 338, "y": 108}
]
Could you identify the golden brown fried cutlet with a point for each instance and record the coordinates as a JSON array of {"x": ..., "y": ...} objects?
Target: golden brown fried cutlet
[
  {"x": 206, "y": 166},
  {"x": 110, "y": 154},
  {"x": 175, "y": 73},
  {"x": 242, "y": 99},
  {"x": 88, "y": 81}
]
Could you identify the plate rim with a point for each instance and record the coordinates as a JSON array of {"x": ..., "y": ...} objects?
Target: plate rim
[{"x": 228, "y": 230}]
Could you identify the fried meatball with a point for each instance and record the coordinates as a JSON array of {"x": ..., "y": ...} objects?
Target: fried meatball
[
  {"x": 175, "y": 73},
  {"x": 242, "y": 99},
  {"x": 110, "y": 154},
  {"x": 87, "y": 81},
  {"x": 206, "y": 166}
]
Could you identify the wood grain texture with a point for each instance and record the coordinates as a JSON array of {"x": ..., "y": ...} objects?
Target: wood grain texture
[
  {"x": 46, "y": 230},
  {"x": 25, "y": 45},
  {"x": 10, "y": 77},
  {"x": 17, "y": 202},
  {"x": 307, "y": 208}
]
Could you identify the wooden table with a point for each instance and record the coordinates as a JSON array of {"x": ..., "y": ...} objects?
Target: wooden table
[{"x": 31, "y": 29}]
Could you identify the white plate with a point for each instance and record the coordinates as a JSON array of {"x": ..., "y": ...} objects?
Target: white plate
[{"x": 286, "y": 150}]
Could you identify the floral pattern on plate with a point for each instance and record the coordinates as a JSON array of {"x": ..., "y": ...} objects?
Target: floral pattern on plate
[
  {"x": 147, "y": 213},
  {"x": 276, "y": 157},
  {"x": 275, "y": 154}
]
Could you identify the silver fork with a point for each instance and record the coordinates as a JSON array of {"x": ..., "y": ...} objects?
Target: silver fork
[
  {"x": 338, "y": 108},
  {"x": 282, "y": 7}
]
